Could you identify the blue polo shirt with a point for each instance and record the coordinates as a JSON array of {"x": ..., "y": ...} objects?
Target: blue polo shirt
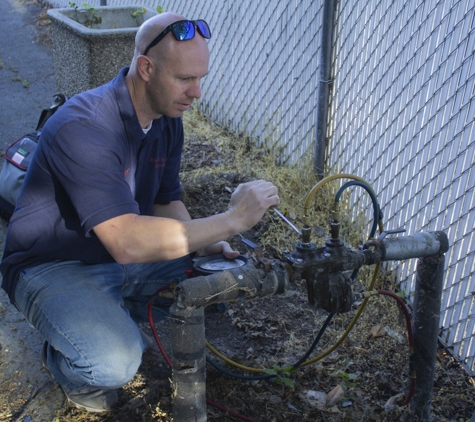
[{"x": 93, "y": 163}]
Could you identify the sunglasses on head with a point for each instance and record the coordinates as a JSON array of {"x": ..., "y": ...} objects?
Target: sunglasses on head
[{"x": 182, "y": 30}]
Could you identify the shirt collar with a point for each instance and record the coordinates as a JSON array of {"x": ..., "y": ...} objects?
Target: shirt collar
[{"x": 127, "y": 110}]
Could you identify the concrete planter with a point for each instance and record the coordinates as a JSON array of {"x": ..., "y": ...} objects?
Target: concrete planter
[{"x": 87, "y": 54}]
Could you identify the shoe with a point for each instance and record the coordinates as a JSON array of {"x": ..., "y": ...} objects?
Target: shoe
[{"x": 90, "y": 399}]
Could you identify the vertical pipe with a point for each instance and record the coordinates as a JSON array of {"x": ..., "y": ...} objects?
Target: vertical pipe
[
  {"x": 323, "y": 89},
  {"x": 188, "y": 363},
  {"x": 427, "y": 301}
]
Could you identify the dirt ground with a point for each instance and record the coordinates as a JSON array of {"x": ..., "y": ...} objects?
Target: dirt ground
[{"x": 365, "y": 379}]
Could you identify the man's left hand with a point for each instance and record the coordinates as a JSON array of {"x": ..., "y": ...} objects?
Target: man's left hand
[{"x": 218, "y": 248}]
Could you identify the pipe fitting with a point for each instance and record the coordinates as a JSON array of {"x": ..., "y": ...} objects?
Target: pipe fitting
[{"x": 226, "y": 286}]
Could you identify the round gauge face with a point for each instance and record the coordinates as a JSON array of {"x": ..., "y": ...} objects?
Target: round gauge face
[{"x": 222, "y": 264}]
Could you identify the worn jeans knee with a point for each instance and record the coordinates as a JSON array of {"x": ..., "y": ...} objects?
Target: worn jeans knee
[
  {"x": 81, "y": 312},
  {"x": 109, "y": 364}
]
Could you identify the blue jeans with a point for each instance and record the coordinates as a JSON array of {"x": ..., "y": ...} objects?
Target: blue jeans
[{"x": 88, "y": 315}]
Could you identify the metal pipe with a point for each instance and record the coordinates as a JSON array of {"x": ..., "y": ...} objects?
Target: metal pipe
[
  {"x": 323, "y": 90},
  {"x": 192, "y": 295},
  {"x": 226, "y": 286},
  {"x": 418, "y": 245},
  {"x": 427, "y": 301},
  {"x": 188, "y": 363},
  {"x": 187, "y": 329}
]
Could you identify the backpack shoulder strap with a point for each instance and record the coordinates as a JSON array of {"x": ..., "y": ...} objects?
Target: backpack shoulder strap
[{"x": 59, "y": 100}]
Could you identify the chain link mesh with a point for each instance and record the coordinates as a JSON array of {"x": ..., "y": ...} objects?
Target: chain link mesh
[
  {"x": 402, "y": 117},
  {"x": 402, "y": 111}
]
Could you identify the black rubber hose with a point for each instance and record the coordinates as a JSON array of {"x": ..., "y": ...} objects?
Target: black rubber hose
[
  {"x": 376, "y": 210},
  {"x": 294, "y": 366}
]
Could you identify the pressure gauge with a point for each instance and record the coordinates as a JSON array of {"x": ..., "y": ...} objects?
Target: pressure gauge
[{"x": 216, "y": 263}]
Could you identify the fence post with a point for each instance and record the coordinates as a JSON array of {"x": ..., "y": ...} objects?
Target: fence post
[
  {"x": 427, "y": 301},
  {"x": 323, "y": 90}
]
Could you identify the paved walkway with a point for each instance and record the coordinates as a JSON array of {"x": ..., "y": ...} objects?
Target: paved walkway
[
  {"x": 22, "y": 63},
  {"x": 26, "y": 87}
]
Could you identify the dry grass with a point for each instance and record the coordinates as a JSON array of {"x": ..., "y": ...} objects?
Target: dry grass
[{"x": 237, "y": 154}]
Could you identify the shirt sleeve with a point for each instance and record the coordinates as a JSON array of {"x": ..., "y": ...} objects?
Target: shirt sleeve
[{"x": 89, "y": 163}]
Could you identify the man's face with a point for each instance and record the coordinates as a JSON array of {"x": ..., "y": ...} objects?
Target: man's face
[{"x": 176, "y": 81}]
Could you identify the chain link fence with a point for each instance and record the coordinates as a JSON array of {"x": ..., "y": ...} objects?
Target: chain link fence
[
  {"x": 402, "y": 117},
  {"x": 402, "y": 111}
]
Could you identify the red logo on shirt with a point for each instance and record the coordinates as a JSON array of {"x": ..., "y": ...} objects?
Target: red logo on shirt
[{"x": 158, "y": 162}]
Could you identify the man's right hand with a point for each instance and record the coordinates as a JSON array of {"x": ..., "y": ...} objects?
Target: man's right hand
[
  {"x": 132, "y": 238},
  {"x": 250, "y": 201}
]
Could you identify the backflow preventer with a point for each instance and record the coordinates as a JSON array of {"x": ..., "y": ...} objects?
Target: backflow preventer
[{"x": 327, "y": 271}]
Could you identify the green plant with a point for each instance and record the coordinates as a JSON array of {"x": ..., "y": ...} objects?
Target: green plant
[
  {"x": 282, "y": 375},
  {"x": 139, "y": 12},
  {"x": 403, "y": 294},
  {"x": 89, "y": 14},
  {"x": 349, "y": 378},
  {"x": 159, "y": 9}
]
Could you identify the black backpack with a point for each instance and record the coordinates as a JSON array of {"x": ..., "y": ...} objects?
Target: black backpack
[{"x": 17, "y": 159}]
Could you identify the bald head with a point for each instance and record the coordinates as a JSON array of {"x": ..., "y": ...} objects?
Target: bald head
[
  {"x": 167, "y": 80},
  {"x": 151, "y": 28}
]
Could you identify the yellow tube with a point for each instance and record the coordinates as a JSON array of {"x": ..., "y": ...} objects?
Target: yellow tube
[
  {"x": 306, "y": 219},
  {"x": 352, "y": 323},
  {"x": 322, "y": 355},
  {"x": 231, "y": 362}
]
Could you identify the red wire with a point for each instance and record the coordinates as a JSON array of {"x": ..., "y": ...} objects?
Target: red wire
[
  {"x": 169, "y": 362},
  {"x": 412, "y": 389},
  {"x": 154, "y": 331},
  {"x": 244, "y": 418},
  {"x": 231, "y": 412},
  {"x": 406, "y": 313},
  {"x": 410, "y": 338}
]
